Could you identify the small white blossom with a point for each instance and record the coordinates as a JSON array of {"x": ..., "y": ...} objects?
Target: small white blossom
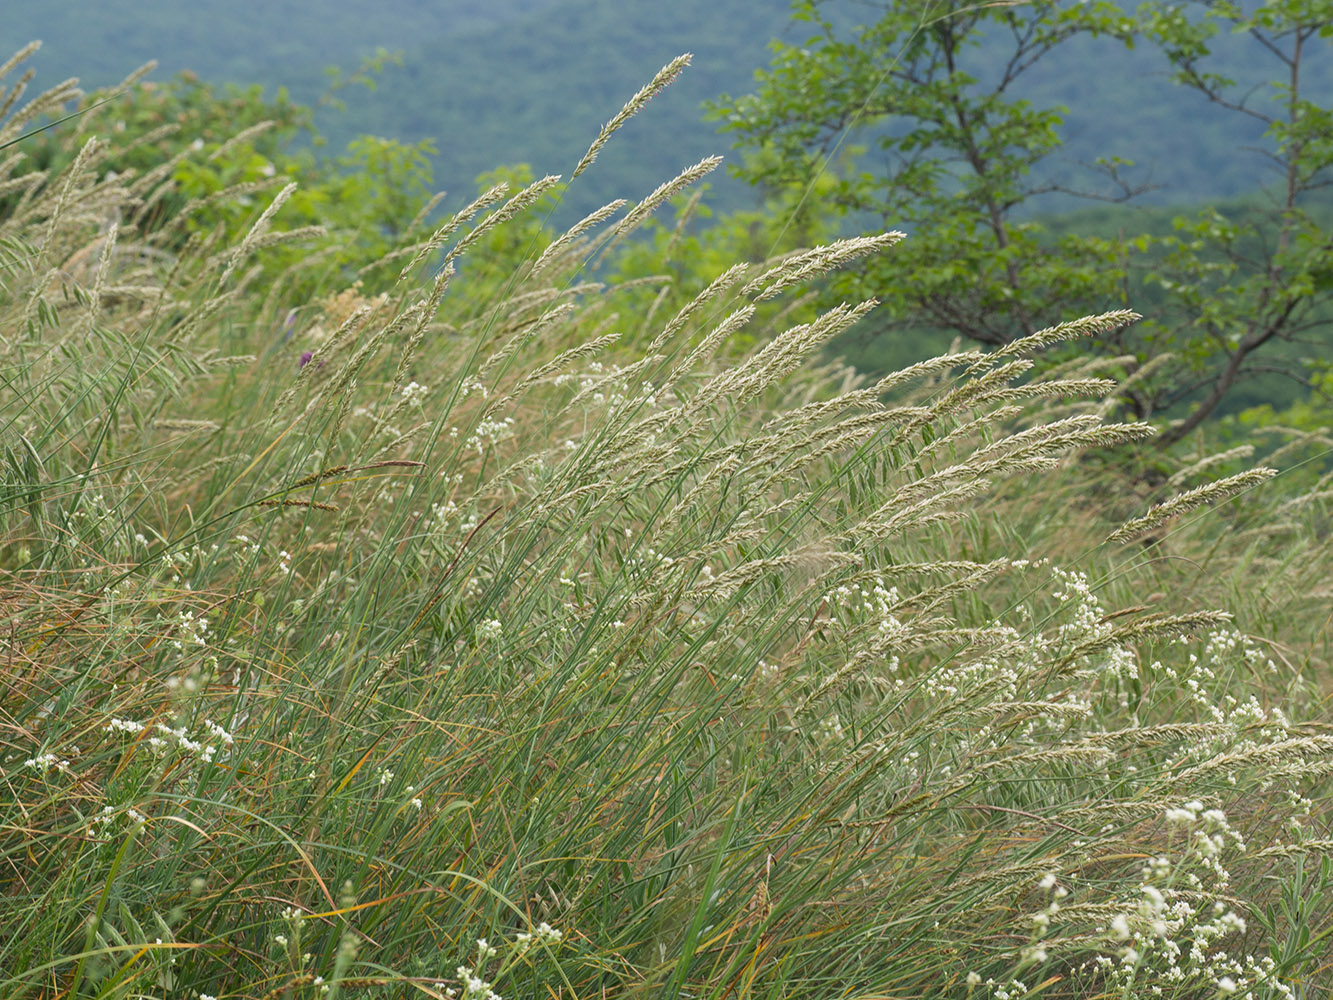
[
  {"x": 44, "y": 762},
  {"x": 413, "y": 393},
  {"x": 546, "y": 933}
]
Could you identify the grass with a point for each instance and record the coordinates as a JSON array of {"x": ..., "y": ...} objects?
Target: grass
[{"x": 485, "y": 650}]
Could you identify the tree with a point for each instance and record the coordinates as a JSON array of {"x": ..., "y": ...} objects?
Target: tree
[
  {"x": 1241, "y": 287},
  {"x": 949, "y": 152},
  {"x": 952, "y": 161}
]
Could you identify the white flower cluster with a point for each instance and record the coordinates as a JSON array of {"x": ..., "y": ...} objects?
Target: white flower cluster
[
  {"x": 1089, "y": 622},
  {"x": 471, "y": 984},
  {"x": 489, "y": 432},
  {"x": 446, "y": 519},
  {"x": 650, "y": 560},
  {"x": 253, "y": 547},
  {"x": 247, "y": 543},
  {"x": 45, "y": 762},
  {"x": 440, "y": 515},
  {"x": 190, "y": 629},
  {"x": 205, "y": 748},
  {"x": 1009, "y": 990},
  {"x": 86, "y": 507},
  {"x": 174, "y": 562},
  {"x": 413, "y": 393},
  {"x": 1201, "y": 673},
  {"x": 875, "y": 607},
  {"x": 544, "y": 934},
  {"x": 605, "y": 385},
  {"x": 873, "y": 617},
  {"x": 1173, "y": 930},
  {"x": 474, "y": 987},
  {"x": 110, "y": 814}
]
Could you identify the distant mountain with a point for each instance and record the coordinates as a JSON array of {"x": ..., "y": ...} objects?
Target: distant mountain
[
  {"x": 538, "y": 88},
  {"x": 275, "y": 42},
  {"x": 506, "y": 81},
  {"x": 490, "y": 81}
]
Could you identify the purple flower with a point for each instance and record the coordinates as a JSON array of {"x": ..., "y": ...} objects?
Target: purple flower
[{"x": 305, "y": 358}]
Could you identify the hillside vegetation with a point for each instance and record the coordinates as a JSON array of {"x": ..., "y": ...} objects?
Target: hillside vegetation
[
  {"x": 518, "y": 81},
  {"x": 404, "y": 608}
]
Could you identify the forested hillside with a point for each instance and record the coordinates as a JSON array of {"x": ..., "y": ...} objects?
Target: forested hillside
[
  {"x": 515, "y": 81},
  {"x": 490, "y": 84}
]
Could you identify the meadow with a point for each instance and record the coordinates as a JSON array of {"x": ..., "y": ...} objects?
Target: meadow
[{"x": 441, "y": 626}]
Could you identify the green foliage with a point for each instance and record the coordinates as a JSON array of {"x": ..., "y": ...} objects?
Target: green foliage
[
  {"x": 955, "y": 154},
  {"x": 364, "y": 200},
  {"x": 957, "y": 162},
  {"x": 1238, "y": 289},
  {"x": 228, "y": 152},
  {"x": 156, "y": 121}
]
